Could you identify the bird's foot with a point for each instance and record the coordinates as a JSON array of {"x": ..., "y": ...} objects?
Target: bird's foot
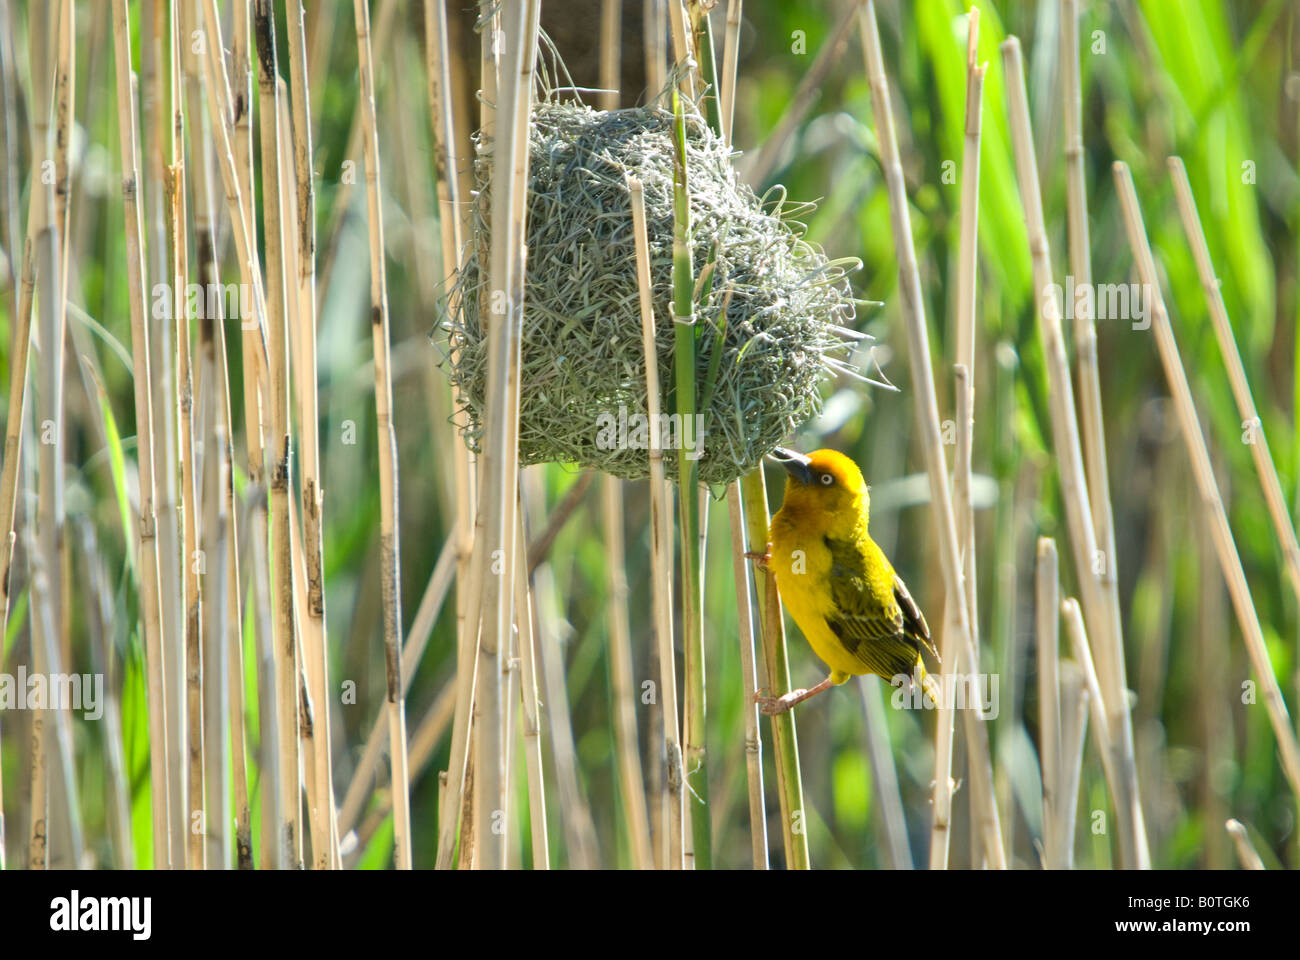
[
  {"x": 771, "y": 706},
  {"x": 762, "y": 560}
]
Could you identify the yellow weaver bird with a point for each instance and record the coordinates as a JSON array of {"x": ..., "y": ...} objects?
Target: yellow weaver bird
[{"x": 838, "y": 585}]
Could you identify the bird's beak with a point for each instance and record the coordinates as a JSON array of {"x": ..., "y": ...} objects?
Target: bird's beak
[{"x": 795, "y": 463}]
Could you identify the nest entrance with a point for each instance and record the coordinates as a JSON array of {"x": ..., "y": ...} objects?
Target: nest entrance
[{"x": 776, "y": 307}]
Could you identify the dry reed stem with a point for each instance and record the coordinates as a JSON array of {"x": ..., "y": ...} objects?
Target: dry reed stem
[
  {"x": 1047, "y": 622},
  {"x": 390, "y": 548},
  {"x": 1110, "y": 641},
  {"x": 967, "y": 274},
  {"x": 748, "y": 681},
  {"x": 683, "y": 49},
  {"x": 730, "y": 66},
  {"x": 1207, "y": 486},
  {"x": 983, "y": 800},
  {"x": 1075, "y": 700},
  {"x": 655, "y": 27},
  {"x": 147, "y": 542},
  {"x": 611, "y": 26},
  {"x": 437, "y": 63},
  {"x": 1103, "y": 615},
  {"x": 448, "y": 163},
  {"x": 155, "y": 47},
  {"x": 280, "y": 440},
  {"x": 1084, "y": 657},
  {"x": 1085, "y": 331},
  {"x": 19, "y": 354},
  {"x": 673, "y": 799},
  {"x": 231, "y": 110},
  {"x": 499, "y": 476},
  {"x": 314, "y": 638},
  {"x": 191, "y": 637},
  {"x": 530, "y": 719},
  {"x": 1259, "y": 449},
  {"x": 1246, "y": 852},
  {"x": 50, "y": 33},
  {"x": 623, "y": 682},
  {"x": 219, "y": 538}
]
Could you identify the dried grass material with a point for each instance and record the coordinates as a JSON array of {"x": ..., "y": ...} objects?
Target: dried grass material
[{"x": 778, "y": 300}]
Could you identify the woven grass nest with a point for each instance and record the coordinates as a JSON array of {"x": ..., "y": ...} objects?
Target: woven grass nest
[{"x": 782, "y": 305}]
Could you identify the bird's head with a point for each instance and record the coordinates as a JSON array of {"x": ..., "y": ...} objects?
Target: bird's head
[{"x": 824, "y": 478}]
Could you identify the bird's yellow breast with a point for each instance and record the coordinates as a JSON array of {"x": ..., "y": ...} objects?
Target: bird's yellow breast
[{"x": 801, "y": 561}]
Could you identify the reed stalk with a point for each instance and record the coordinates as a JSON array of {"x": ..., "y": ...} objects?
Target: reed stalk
[
  {"x": 447, "y": 164},
  {"x": 19, "y": 354},
  {"x": 967, "y": 275},
  {"x": 280, "y": 439},
  {"x": 1207, "y": 486},
  {"x": 147, "y": 542},
  {"x": 1085, "y": 658},
  {"x": 230, "y": 108},
  {"x": 191, "y": 559},
  {"x": 688, "y": 501},
  {"x": 624, "y": 690},
  {"x": 1085, "y": 330},
  {"x": 655, "y": 23},
  {"x": 684, "y": 62},
  {"x": 314, "y": 636},
  {"x": 1103, "y": 615},
  {"x": 776, "y": 670},
  {"x": 390, "y": 548},
  {"x": 611, "y": 31},
  {"x": 526, "y": 653},
  {"x": 1047, "y": 621},
  {"x": 155, "y": 60},
  {"x": 983, "y": 799},
  {"x": 220, "y": 565},
  {"x": 1246, "y": 852},
  {"x": 1075, "y": 700},
  {"x": 748, "y": 682},
  {"x": 1241, "y": 393},
  {"x": 50, "y": 33},
  {"x": 730, "y": 67},
  {"x": 446, "y": 152},
  {"x": 672, "y": 840}
]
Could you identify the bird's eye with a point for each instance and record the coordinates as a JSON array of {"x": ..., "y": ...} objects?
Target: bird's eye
[{"x": 827, "y": 479}]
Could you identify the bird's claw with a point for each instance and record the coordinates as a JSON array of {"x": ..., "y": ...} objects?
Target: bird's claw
[
  {"x": 761, "y": 560},
  {"x": 772, "y": 706}
]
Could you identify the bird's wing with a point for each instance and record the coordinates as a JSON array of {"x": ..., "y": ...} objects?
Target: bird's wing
[
  {"x": 913, "y": 620},
  {"x": 883, "y": 630}
]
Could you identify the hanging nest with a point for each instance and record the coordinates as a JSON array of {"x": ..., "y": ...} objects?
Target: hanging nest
[{"x": 773, "y": 304}]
